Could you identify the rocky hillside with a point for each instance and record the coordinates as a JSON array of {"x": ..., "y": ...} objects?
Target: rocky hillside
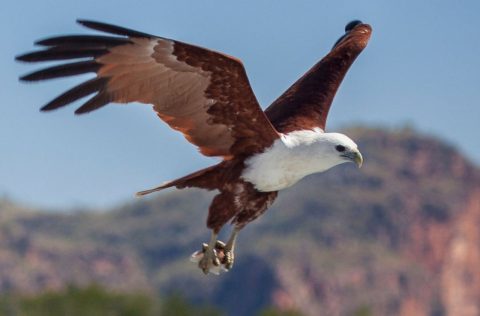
[{"x": 398, "y": 237}]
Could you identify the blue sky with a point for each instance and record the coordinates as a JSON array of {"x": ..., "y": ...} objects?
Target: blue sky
[{"x": 421, "y": 68}]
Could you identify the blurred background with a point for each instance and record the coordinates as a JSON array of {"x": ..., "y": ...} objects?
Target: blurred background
[{"x": 398, "y": 237}]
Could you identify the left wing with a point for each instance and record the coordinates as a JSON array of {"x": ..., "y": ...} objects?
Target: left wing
[
  {"x": 306, "y": 103},
  {"x": 201, "y": 93}
]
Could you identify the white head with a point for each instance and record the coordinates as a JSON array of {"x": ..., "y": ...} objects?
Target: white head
[
  {"x": 339, "y": 148},
  {"x": 322, "y": 151},
  {"x": 296, "y": 155}
]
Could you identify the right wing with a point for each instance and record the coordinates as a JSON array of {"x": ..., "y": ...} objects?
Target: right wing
[{"x": 306, "y": 103}]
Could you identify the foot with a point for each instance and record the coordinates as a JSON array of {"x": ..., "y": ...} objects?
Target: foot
[
  {"x": 208, "y": 259},
  {"x": 216, "y": 256},
  {"x": 225, "y": 254}
]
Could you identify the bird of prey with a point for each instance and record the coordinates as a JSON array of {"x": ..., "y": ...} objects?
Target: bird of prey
[{"x": 206, "y": 96}]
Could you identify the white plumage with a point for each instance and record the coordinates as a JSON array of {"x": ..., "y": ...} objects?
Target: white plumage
[{"x": 296, "y": 155}]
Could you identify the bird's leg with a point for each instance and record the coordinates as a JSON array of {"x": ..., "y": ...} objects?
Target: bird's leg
[
  {"x": 229, "y": 249},
  {"x": 208, "y": 256}
]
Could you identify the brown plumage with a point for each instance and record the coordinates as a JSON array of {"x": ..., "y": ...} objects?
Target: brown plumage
[
  {"x": 307, "y": 102},
  {"x": 203, "y": 94}
]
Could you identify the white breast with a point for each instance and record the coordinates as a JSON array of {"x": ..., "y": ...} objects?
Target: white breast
[{"x": 290, "y": 158}]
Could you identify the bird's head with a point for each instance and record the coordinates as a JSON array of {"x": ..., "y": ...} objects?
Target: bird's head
[
  {"x": 335, "y": 148},
  {"x": 319, "y": 151},
  {"x": 344, "y": 149}
]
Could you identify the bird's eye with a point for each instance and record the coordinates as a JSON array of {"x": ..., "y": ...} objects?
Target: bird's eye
[{"x": 340, "y": 148}]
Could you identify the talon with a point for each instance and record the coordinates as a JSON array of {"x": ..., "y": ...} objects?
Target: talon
[
  {"x": 208, "y": 258},
  {"x": 219, "y": 245},
  {"x": 216, "y": 260},
  {"x": 228, "y": 250},
  {"x": 208, "y": 261},
  {"x": 229, "y": 259},
  {"x": 220, "y": 251},
  {"x": 216, "y": 256}
]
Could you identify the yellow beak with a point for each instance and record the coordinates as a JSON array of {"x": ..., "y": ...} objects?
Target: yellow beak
[{"x": 358, "y": 158}]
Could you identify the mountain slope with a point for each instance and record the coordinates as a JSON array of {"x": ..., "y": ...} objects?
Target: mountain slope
[{"x": 397, "y": 237}]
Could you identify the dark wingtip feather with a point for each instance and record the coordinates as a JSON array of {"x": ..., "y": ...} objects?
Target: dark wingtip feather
[
  {"x": 83, "y": 41},
  {"x": 23, "y": 57},
  {"x": 351, "y": 25},
  {"x": 96, "y": 102},
  {"x": 60, "y": 53},
  {"x": 47, "y": 109},
  {"x": 27, "y": 77},
  {"x": 77, "y": 92},
  {"x": 113, "y": 29},
  {"x": 64, "y": 70}
]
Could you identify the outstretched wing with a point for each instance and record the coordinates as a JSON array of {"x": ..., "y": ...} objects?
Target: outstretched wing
[
  {"x": 201, "y": 93},
  {"x": 306, "y": 103}
]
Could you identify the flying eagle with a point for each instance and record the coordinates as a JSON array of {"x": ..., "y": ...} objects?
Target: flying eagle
[{"x": 207, "y": 97}]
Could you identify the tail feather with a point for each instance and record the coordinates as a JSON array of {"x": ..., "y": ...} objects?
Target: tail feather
[
  {"x": 199, "y": 179},
  {"x": 164, "y": 185}
]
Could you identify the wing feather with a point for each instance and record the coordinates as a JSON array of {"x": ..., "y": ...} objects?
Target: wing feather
[
  {"x": 306, "y": 103},
  {"x": 82, "y": 90},
  {"x": 63, "y": 70},
  {"x": 201, "y": 93}
]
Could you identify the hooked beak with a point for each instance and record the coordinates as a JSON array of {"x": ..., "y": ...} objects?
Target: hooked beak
[{"x": 356, "y": 157}]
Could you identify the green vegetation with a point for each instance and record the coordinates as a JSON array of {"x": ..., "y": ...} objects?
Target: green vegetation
[
  {"x": 363, "y": 310},
  {"x": 178, "y": 306},
  {"x": 92, "y": 301},
  {"x": 97, "y": 301}
]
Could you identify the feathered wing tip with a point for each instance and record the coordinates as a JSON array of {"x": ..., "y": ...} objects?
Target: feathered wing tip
[
  {"x": 87, "y": 47},
  {"x": 350, "y": 26},
  {"x": 112, "y": 29},
  {"x": 305, "y": 105}
]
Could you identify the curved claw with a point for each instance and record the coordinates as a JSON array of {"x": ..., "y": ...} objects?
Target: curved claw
[
  {"x": 225, "y": 254},
  {"x": 229, "y": 259},
  {"x": 216, "y": 260},
  {"x": 210, "y": 261}
]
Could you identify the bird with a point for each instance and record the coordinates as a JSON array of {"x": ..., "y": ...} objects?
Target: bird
[{"x": 206, "y": 95}]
